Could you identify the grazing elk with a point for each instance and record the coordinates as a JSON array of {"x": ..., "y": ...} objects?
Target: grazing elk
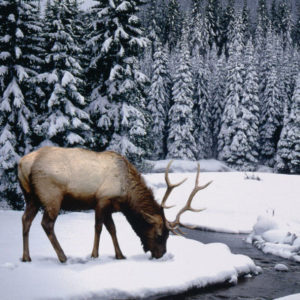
[{"x": 75, "y": 179}]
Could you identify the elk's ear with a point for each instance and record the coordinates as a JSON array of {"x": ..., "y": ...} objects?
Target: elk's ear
[
  {"x": 149, "y": 218},
  {"x": 156, "y": 219}
]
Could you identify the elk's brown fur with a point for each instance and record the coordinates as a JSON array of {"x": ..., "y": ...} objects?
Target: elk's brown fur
[{"x": 75, "y": 179}]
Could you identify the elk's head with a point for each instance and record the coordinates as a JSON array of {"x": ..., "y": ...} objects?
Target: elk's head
[
  {"x": 156, "y": 235},
  {"x": 159, "y": 227}
]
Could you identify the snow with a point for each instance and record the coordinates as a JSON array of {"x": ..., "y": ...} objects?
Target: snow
[
  {"x": 281, "y": 268},
  {"x": 290, "y": 297},
  {"x": 277, "y": 236},
  {"x": 187, "y": 263},
  {"x": 232, "y": 203},
  {"x": 208, "y": 165},
  {"x": 266, "y": 209},
  {"x": 67, "y": 79},
  {"x": 85, "y": 5}
]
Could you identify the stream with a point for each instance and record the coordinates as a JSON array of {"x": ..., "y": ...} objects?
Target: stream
[{"x": 269, "y": 284}]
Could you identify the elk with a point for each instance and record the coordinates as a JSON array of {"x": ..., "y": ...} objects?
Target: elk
[{"x": 55, "y": 178}]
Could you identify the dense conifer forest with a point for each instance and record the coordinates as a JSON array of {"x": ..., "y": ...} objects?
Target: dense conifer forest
[{"x": 156, "y": 80}]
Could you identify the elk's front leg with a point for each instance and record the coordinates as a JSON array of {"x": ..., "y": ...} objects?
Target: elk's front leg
[
  {"x": 110, "y": 226},
  {"x": 98, "y": 229}
]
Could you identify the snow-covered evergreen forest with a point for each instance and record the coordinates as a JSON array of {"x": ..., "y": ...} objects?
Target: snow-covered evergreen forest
[{"x": 150, "y": 81}]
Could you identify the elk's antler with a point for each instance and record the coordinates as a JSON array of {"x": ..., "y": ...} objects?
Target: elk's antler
[
  {"x": 170, "y": 186},
  {"x": 173, "y": 226}
]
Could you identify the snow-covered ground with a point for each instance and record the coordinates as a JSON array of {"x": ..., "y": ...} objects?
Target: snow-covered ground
[
  {"x": 207, "y": 165},
  {"x": 267, "y": 208},
  {"x": 234, "y": 204},
  {"x": 187, "y": 263},
  {"x": 290, "y": 297}
]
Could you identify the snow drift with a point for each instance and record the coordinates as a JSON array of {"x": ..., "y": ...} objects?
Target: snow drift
[
  {"x": 275, "y": 236},
  {"x": 187, "y": 263}
]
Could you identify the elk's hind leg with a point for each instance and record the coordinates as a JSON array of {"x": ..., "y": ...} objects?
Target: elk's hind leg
[
  {"x": 51, "y": 201},
  {"x": 48, "y": 222},
  {"x": 27, "y": 218}
]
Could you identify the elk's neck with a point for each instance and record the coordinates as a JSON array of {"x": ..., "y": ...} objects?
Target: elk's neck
[
  {"x": 133, "y": 209},
  {"x": 137, "y": 221},
  {"x": 139, "y": 199}
]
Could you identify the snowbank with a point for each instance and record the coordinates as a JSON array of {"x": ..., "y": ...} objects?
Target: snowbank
[
  {"x": 179, "y": 166},
  {"x": 187, "y": 263},
  {"x": 232, "y": 202},
  {"x": 207, "y": 165},
  {"x": 276, "y": 236},
  {"x": 290, "y": 297}
]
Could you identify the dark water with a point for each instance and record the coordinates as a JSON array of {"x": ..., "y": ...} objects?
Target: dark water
[{"x": 268, "y": 285}]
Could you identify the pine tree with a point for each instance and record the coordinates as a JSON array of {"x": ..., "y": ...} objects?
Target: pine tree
[
  {"x": 80, "y": 33},
  {"x": 213, "y": 19},
  {"x": 284, "y": 66},
  {"x": 263, "y": 15},
  {"x": 274, "y": 17},
  {"x": 174, "y": 24},
  {"x": 288, "y": 154},
  {"x": 181, "y": 143},
  {"x": 266, "y": 59},
  {"x": 159, "y": 99},
  {"x": 196, "y": 6},
  {"x": 199, "y": 36},
  {"x": 259, "y": 41},
  {"x": 152, "y": 30},
  {"x": 153, "y": 33},
  {"x": 270, "y": 122},
  {"x": 18, "y": 50},
  {"x": 294, "y": 64},
  {"x": 285, "y": 23},
  {"x": 203, "y": 118},
  {"x": 296, "y": 29},
  {"x": 118, "y": 98},
  {"x": 217, "y": 96},
  {"x": 64, "y": 122},
  {"x": 271, "y": 104},
  {"x": 226, "y": 21},
  {"x": 246, "y": 22},
  {"x": 248, "y": 126},
  {"x": 33, "y": 52},
  {"x": 97, "y": 73},
  {"x": 162, "y": 20},
  {"x": 228, "y": 140}
]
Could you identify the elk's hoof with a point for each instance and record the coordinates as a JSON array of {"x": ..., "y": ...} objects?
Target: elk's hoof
[
  {"x": 121, "y": 256},
  {"x": 62, "y": 259},
  {"x": 26, "y": 259}
]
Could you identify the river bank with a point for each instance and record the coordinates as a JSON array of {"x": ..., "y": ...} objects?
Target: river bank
[{"x": 270, "y": 284}]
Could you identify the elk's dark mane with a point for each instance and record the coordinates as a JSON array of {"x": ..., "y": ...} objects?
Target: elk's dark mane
[{"x": 141, "y": 199}]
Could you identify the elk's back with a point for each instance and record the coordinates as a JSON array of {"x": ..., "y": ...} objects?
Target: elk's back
[{"x": 78, "y": 174}]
